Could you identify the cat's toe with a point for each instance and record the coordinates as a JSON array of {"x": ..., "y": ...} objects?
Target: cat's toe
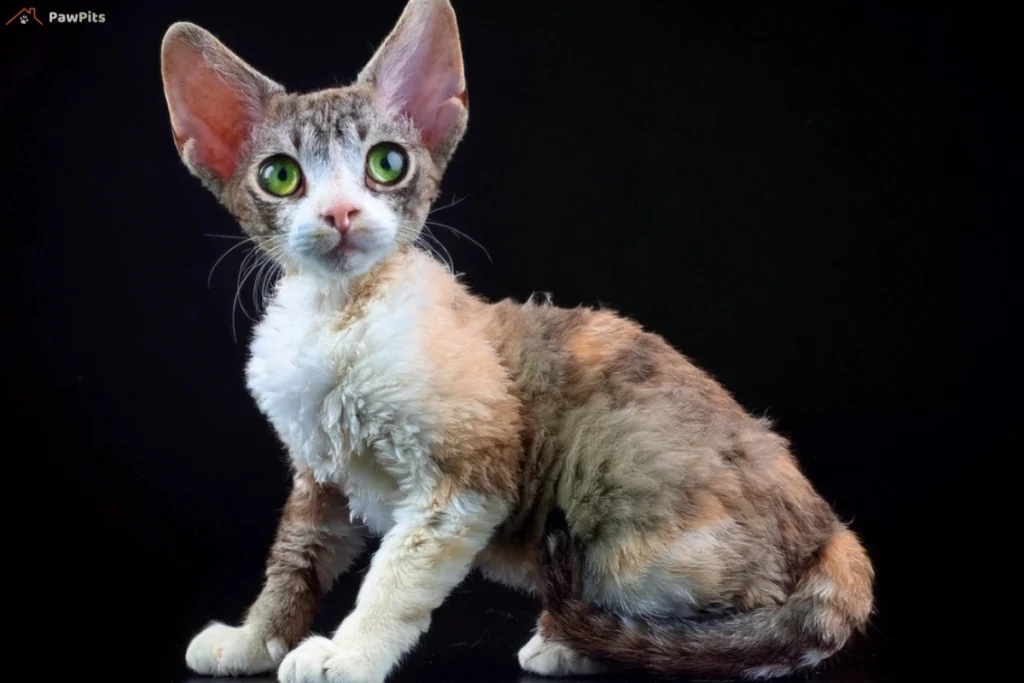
[
  {"x": 548, "y": 658},
  {"x": 222, "y": 650},
  {"x": 305, "y": 664},
  {"x": 320, "y": 660}
]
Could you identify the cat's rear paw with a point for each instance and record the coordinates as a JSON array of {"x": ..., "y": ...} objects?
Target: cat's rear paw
[
  {"x": 548, "y": 658},
  {"x": 221, "y": 650}
]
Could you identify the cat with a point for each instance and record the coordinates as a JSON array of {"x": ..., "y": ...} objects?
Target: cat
[{"x": 566, "y": 452}]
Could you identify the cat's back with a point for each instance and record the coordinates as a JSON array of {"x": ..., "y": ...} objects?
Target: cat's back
[
  {"x": 619, "y": 415},
  {"x": 580, "y": 356},
  {"x": 594, "y": 381}
]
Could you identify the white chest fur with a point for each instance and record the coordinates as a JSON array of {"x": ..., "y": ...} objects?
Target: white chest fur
[{"x": 348, "y": 400}]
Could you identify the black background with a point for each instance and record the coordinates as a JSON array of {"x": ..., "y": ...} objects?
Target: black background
[{"x": 808, "y": 200}]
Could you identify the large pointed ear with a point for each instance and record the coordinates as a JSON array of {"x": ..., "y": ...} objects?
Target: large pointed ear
[
  {"x": 215, "y": 99},
  {"x": 417, "y": 71}
]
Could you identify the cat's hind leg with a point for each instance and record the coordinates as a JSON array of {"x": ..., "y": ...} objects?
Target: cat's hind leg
[
  {"x": 546, "y": 657},
  {"x": 315, "y": 542}
]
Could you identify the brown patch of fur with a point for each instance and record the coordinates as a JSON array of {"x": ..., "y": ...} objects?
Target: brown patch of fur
[
  {"x": 314, "y": 543},
  {"x": 845, "y": 564},
  {"x": 600, "y": 338},
  {"x": 633, "y": 555},
  {"x": 707, "y": 510},
  {"x": 510, "y": 560},
  {"x": 482, "y": 447},
  {"x": 637, "y": 363},
  {"x": 365, "y": 290}
]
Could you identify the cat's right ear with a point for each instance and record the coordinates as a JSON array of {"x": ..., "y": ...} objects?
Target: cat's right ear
[{"x": 215, "y": 100}]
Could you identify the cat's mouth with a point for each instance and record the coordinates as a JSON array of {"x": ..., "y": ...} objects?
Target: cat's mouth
[
  {"x": 333, "y": 252},
  {"x": 356, "y": 250},
  {"x": 356, "y": 242}
]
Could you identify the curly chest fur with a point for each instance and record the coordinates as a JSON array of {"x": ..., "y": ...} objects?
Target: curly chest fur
[{"x": 345, "y": 393}]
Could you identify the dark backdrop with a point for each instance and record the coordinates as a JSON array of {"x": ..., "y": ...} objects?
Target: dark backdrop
[{"x": 806, "y": 200}]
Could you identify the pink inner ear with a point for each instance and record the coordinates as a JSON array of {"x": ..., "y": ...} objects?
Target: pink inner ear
[
  {"x": 205, "y": 109},
  {"x": 420, "y": 73},
  {"x": 447, "y": 115}
]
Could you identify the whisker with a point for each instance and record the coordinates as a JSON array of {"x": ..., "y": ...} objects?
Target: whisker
[
  {"x": 227, "y": 237},
  {"x": 459, "y": 233},
  {"x": 426, "y": 240},
  {"x": 270, "y": 278},
  {"x": 420, "y": 240},
  {"x": 447, "y": 257},
  {"x": 274, "y": 272},
  {"x": 426, "y": 246},
  {"x": 249, "y": 264},
  {"x": 209, "y": 277},
  {"x": 259, "y": 296},
  {"x": 449, "y": 205},
  {"x": 257, "y": 283},
  {"x": 265, "y": 279},
  {"x": 259, "y": 260}
]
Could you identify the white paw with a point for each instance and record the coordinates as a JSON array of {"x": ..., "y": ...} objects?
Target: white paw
[
  {"x": 320, "y": 660},
  {"x": 548, "y": 658},
  {"x": 221, "y": 650}
]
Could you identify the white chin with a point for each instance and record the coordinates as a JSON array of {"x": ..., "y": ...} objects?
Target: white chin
[
  {"x": 357, "y": 262},
  {"x": 337, "y": 264}
]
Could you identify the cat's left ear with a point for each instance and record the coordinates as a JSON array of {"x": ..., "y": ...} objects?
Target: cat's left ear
[
  {"x": 215, "y": 100},
  {"x": 418, "y": 72}
]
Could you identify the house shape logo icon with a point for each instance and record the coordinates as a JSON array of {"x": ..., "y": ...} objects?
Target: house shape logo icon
[{"x": 24, "y": 16}]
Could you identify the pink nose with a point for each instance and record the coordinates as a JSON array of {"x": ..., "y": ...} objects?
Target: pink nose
[{"x": 340, "y": 216}]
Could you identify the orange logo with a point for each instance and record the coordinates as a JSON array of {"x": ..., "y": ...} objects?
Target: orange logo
[{"x": 25, "y": 15}]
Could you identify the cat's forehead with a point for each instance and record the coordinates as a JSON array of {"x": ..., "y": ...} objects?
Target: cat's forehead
[
  {"x": 335, "y": 113},
  {"x": 327, "y": 108}
]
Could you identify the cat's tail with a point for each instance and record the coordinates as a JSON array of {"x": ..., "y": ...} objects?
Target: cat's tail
[{"x": 831, "y": 601}]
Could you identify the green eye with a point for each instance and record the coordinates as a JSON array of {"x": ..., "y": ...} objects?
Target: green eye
[
  {"x": 386, "y": 163},
  {"x": 280, "y": 176}
]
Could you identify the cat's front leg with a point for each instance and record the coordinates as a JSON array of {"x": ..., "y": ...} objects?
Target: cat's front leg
[
  {"x": 428, "y": 552},
  {"x": 315, "y": 542}
]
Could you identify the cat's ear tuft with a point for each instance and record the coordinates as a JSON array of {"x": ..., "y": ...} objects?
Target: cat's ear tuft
[
  {"x": 417, "y": 71},
  {"x": 215, "y": 99}
]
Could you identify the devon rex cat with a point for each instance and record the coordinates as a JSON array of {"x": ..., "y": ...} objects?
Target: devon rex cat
[{"x": 566, "y": 452}]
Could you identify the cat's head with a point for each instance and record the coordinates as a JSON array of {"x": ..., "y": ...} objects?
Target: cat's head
[{"x": 333, "y": 180}]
